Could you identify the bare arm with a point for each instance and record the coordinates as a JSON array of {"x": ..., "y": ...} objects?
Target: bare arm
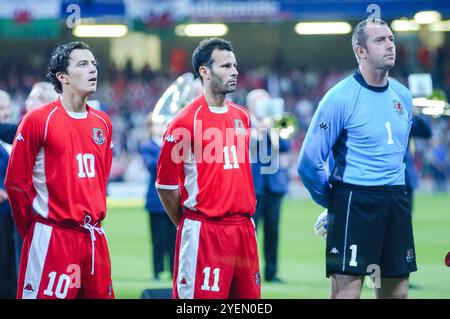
[{"x": 170, "y": 200}]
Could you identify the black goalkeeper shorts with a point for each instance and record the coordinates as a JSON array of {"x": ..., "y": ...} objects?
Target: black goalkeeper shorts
[{"x": 369, "y": 226}]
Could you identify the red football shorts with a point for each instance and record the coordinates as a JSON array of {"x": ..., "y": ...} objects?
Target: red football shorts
[
  {"x": 56, "y": 263},
  {"x": 216, "y": 259}
]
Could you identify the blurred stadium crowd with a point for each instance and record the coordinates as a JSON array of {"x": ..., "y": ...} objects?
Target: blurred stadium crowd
[{"x": 128, "y": 96}]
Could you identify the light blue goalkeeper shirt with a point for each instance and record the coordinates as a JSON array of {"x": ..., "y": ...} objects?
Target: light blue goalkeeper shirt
[{"x": 366, "y": 128}]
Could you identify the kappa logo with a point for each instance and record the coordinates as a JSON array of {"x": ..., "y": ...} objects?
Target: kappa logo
[
  {"x": 28, "y": 287},
  {"x": 169, "y": 138},
  {"x": 334, "y": 250},
  {"x": 98, "y": 136},
  {"x": 323, "y": 125},
  {"x": 409, "y": 255},
  {"x": 19, "y": 137},
  {"x": 239, "y": 127},
  {"x": 183, "y": 281},
  {"x": 257, "y": 278},
  {"x": 110, "y": 290}
]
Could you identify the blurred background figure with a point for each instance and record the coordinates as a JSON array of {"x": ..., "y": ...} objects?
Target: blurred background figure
[
  {"x": 41, "y": 93},
  {"x": 8, "y": 267},
  {"x": 438, "y": 163},
  {"x": 270, "y": 186},
  {"x": 11, "y": 242},
  {"x": 162, "y": 230},
  {"x": 420, "y": 128}
]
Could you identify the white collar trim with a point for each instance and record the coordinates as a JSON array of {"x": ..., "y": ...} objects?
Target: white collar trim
[
  {"x": 78, "y": 115},
  {"x": 218, "y": 110}
]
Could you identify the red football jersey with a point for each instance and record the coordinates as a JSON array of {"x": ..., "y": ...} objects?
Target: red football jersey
[
  {"x": 59, "y": 165},
  {"x": 206, "y": 154}
]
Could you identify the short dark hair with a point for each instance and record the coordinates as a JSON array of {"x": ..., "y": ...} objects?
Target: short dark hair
[
  {"x": 59, "y": 61},
  {"x": 202, "y": 54},
  {"x": 359, "y": 36}
]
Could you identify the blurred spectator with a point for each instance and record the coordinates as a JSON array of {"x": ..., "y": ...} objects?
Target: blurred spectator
[
  {"x": 41, "y": 93},
  {"x": 438, "y": 163},
  {"x": 162, "y": 230},
  {"x": 422, "y": 129},
  {"x": 8, "y": 268},
  {"x": 270, "y": 184},
  {"x": 178, "y": 61},
  {"x": 424, "y": 58},
  {"x": 402, "y": 59}
]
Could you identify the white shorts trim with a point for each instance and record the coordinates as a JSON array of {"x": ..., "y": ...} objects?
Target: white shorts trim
[
  {"x": 187, "y": 260},
  {"x": 36, "y": 260}
]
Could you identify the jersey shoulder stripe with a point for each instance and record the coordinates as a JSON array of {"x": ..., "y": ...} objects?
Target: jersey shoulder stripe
[
  {"x": 103, "y": 117},
  {"x": 185, "y": 118},
  {"x": 241, "y": 109},
  {"x": 39, "y": 117},
  {"x": 48, "y": 120}
]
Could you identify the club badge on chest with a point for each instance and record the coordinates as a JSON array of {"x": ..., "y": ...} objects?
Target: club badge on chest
[
  {"x": 99, "y": 137},
  {"x": 239, "y": 127}
]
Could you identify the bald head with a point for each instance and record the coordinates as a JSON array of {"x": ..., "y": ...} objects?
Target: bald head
[
  {"x": 254, "y": 97},
  {"x": 41, "y": 93}
]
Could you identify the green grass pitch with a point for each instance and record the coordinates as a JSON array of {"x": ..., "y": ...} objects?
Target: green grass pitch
[{"x": 301, "y": 253}]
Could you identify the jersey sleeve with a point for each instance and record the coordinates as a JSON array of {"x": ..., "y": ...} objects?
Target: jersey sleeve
[
  {"x": 109, "y": 152},
  {"x": 18, "y": 181},
  {"x": 175, "y": 151},
  {"x": 325, "y": 128},
  {"x": 410, "y": 109},
  {"x": 421, "y": 127}
]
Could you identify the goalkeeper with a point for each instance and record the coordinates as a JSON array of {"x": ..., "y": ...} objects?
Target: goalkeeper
[{"x": 364, "y": 121}]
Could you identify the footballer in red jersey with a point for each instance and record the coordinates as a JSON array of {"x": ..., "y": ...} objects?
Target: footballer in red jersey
[
  {"x": 205, "y": 183},
  {"x": 56, "y": 182}
]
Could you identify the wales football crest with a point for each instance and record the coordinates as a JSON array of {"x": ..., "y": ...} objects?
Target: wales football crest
[
  {"x": 239, "y": 127},
  {"x": 98, "y": 136},
  {"x": 398, "y": 106}
]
